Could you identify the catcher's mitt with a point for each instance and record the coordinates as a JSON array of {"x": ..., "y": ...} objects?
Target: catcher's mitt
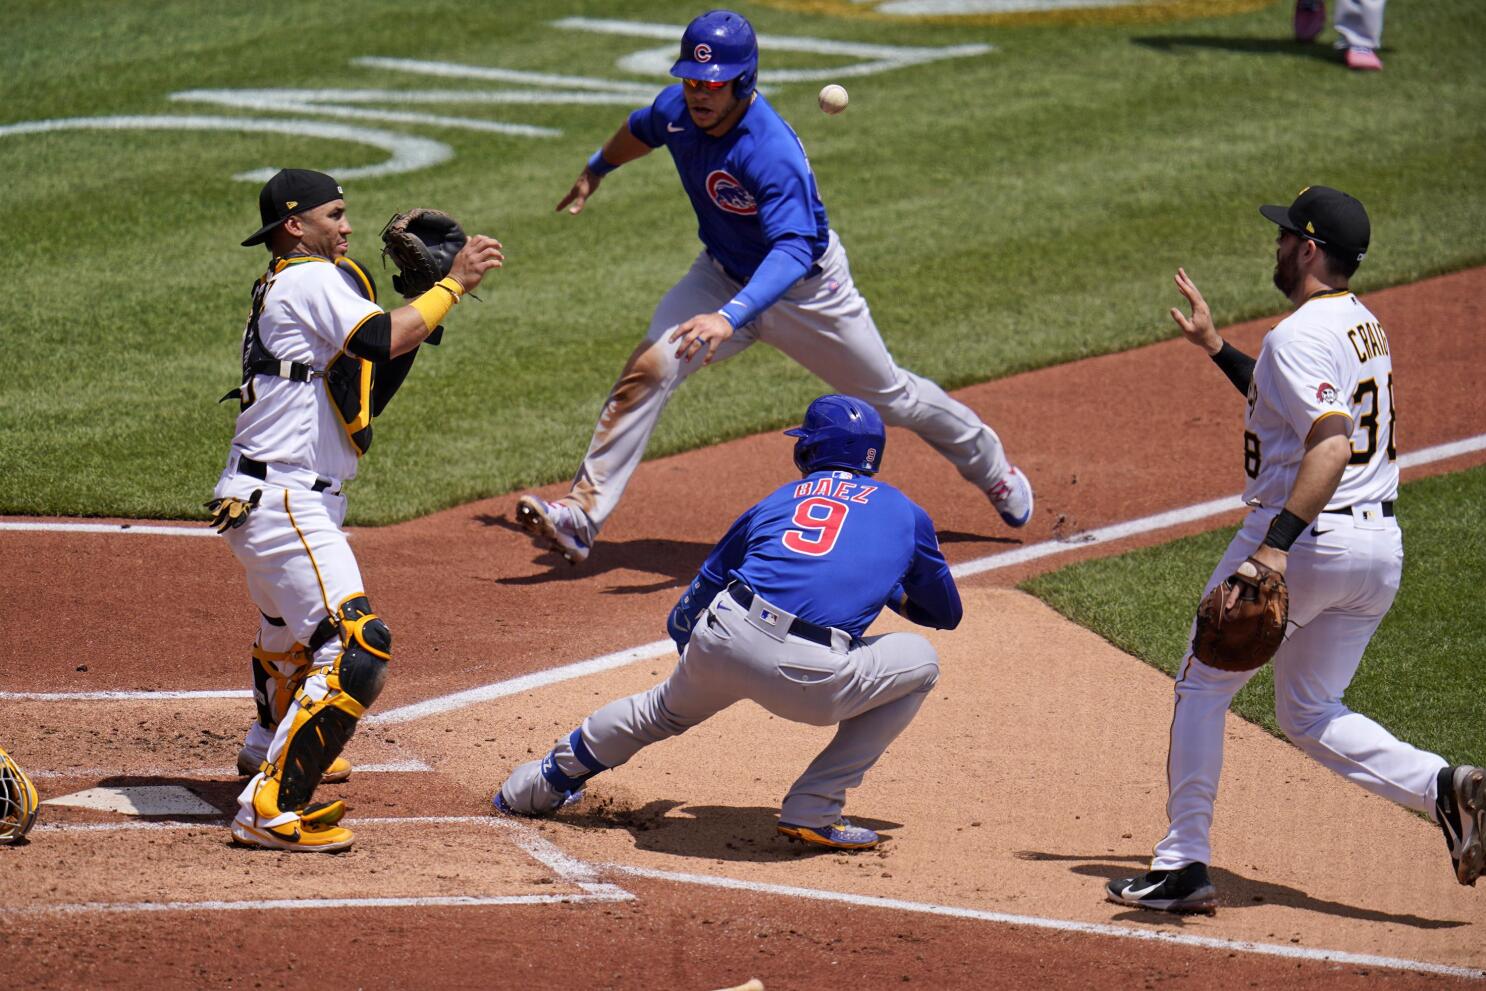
[
  {"x": 422, "y": 244},
  {"x": 1245, "y": 636}
]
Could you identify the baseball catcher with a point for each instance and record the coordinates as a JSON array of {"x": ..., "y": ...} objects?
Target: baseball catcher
[
  {"x": 1241, "y": 622},
  {"x": 318, "y": 348},
  {"x": 18, "y": 803}
]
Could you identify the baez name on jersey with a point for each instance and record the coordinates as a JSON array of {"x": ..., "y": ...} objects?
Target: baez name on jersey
[
  {"x": 1368, "y": 341},
  {"x": 835, "y": 488}
]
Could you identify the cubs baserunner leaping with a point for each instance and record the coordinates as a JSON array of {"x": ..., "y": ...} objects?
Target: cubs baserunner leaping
[
  {"x": 320, "y": 358},
  {"x": 772, "y": 270}
]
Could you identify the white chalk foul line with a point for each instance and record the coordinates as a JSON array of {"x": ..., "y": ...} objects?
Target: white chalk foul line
[
  {"x": 1062, "y": 925},
  {"x": 200, "y": 530},
  {"x": 524, "y": 683},
  {"x": 580, "y": 874},
  {"x": 387, "y": 767},
  {"x": 294, "y": 905},
  {"x": 126, "y": 696}
]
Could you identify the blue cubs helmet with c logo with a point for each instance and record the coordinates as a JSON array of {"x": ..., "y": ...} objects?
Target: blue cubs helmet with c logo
[
  {"x": 839, "y": 432},
  {"x": 720, "y": 45}
]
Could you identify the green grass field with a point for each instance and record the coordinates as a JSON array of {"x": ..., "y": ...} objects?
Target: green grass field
[
  {"x": 1003, "y": 212},
  {"x": 1421, "y": 675}
]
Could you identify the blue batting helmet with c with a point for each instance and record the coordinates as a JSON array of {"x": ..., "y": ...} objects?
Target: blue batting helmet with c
[
  {"x": 839, "y": 432},
  {"x": 720, "y": 45}
]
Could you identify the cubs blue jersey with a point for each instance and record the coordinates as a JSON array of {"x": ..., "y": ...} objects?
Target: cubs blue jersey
[
  {"x": 832, "y": 548},
  {"x": 752, "y": 188}
]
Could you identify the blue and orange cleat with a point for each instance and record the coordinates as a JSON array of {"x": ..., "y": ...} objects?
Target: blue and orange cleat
[{"x": 839, "y": 835}]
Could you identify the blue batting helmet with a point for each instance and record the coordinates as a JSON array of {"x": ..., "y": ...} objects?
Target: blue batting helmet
[
  {"x": 720, "y": 45},
  {"x": 839, "y": 432}
]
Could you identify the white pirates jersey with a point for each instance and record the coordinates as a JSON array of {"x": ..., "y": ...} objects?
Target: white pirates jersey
[
  {"x": 1328, "y": 358},
  {"x": 310, "y": 310}
]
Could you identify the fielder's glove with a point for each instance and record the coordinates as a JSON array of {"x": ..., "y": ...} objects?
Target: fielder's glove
[
  {"x": 1245, "y": 636},
  {"x": 422, "y": 244}
]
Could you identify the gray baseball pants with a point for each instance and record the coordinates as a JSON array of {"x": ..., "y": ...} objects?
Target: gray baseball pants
[
  {"x": 1360, "y": 22},
  {"x": 824, "y": 324},
  {"x": 871, "y": 687}
]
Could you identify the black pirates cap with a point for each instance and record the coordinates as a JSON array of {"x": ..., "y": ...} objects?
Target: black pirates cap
[
  {"x": 289, "y": 192},
  {"x": 1327, "y": 216}
]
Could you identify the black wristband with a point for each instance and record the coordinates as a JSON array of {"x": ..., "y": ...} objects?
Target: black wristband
[
  {"x": 1284, "y": 529},
  {"x": 1238, "y": 366}
]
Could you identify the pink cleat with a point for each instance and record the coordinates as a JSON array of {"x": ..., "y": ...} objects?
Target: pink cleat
[{"x": 1363, "y": 60}]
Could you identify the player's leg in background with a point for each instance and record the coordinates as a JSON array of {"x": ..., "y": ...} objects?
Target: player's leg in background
[
  {"x": 634, "y": 404},
  {"x": 704, "y": 682},
  {"x": 1354, "y": 573},
  {"x": 887, "y": 679},
  {"x": 1195, "y": 749},
  {"x": 826, "y": 326},
  {"x": 1360, "y": 23}
]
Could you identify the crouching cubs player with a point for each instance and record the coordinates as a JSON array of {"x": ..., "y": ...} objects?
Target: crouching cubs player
[
  {"x": 777, "y": 615},
  {"x": 320, "y": 358}
]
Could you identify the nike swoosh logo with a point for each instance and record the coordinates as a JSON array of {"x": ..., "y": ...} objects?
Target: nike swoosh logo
[
  {"x": 1133, "y": 892},
  {"x": 1316, "y": 533},
  {"x": 673, "y": 129}
]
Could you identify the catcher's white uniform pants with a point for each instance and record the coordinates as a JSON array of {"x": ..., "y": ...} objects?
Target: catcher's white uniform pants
[
  {"x": 299, "y": 568},
  {"x": 1360, "y": 22},
  {"x": 1342, "y": 582},
  {"x": 872, "y": 687},
  {"x": 824, "y": 324}
]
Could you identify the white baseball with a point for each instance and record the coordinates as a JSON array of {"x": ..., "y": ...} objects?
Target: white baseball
[{"x": 833, "y": 98}]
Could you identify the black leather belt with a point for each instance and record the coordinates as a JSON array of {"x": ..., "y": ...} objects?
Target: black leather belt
[
  {"x": 804, "y": 629},
  {"x": 253, "y": 468},
  {"x": 1387, "y": 510}
]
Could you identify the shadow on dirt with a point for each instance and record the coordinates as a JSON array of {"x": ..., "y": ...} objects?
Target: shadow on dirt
[
  {"x": 676, "y": 560},
  {"x": 714, "y": 832},
  {"x": 1235, "y": 892}
]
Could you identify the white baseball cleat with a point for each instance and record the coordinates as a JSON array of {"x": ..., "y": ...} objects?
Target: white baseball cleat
[
  {"x": 1012, "y": 497},
  {"x": 554, "y": 522}
]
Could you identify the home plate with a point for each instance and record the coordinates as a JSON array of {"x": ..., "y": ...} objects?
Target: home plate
[{"x": 139, "y": 800}]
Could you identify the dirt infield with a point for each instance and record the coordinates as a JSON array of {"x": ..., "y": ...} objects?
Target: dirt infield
[{"x": 1032, "y": 774}]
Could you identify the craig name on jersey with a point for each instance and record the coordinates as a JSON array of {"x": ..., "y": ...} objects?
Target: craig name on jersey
[{"x": 1331, "y": 357}]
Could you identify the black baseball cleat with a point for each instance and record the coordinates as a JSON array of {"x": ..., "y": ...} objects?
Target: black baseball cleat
[
  {"x": 1187, "y": 889},
  {"x": 1460, "y": 809}
]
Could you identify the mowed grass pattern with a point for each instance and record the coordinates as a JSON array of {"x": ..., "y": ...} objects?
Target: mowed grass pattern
[{"x": 1002, "y": 212}]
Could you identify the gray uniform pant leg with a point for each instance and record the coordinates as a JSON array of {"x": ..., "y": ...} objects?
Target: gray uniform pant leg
[
  {"x": 872, "y": 688},
  {"x": 1360, "y": 22},
  {"x": 696, "y": 690},
  {"x": 893, "y": 675},
  {"x": 645, "y": 385},
  {"x": 824, "y": 323}
]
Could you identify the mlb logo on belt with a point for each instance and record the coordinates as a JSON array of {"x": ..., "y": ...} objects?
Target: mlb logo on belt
[{"x": 768, "y": 616}]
